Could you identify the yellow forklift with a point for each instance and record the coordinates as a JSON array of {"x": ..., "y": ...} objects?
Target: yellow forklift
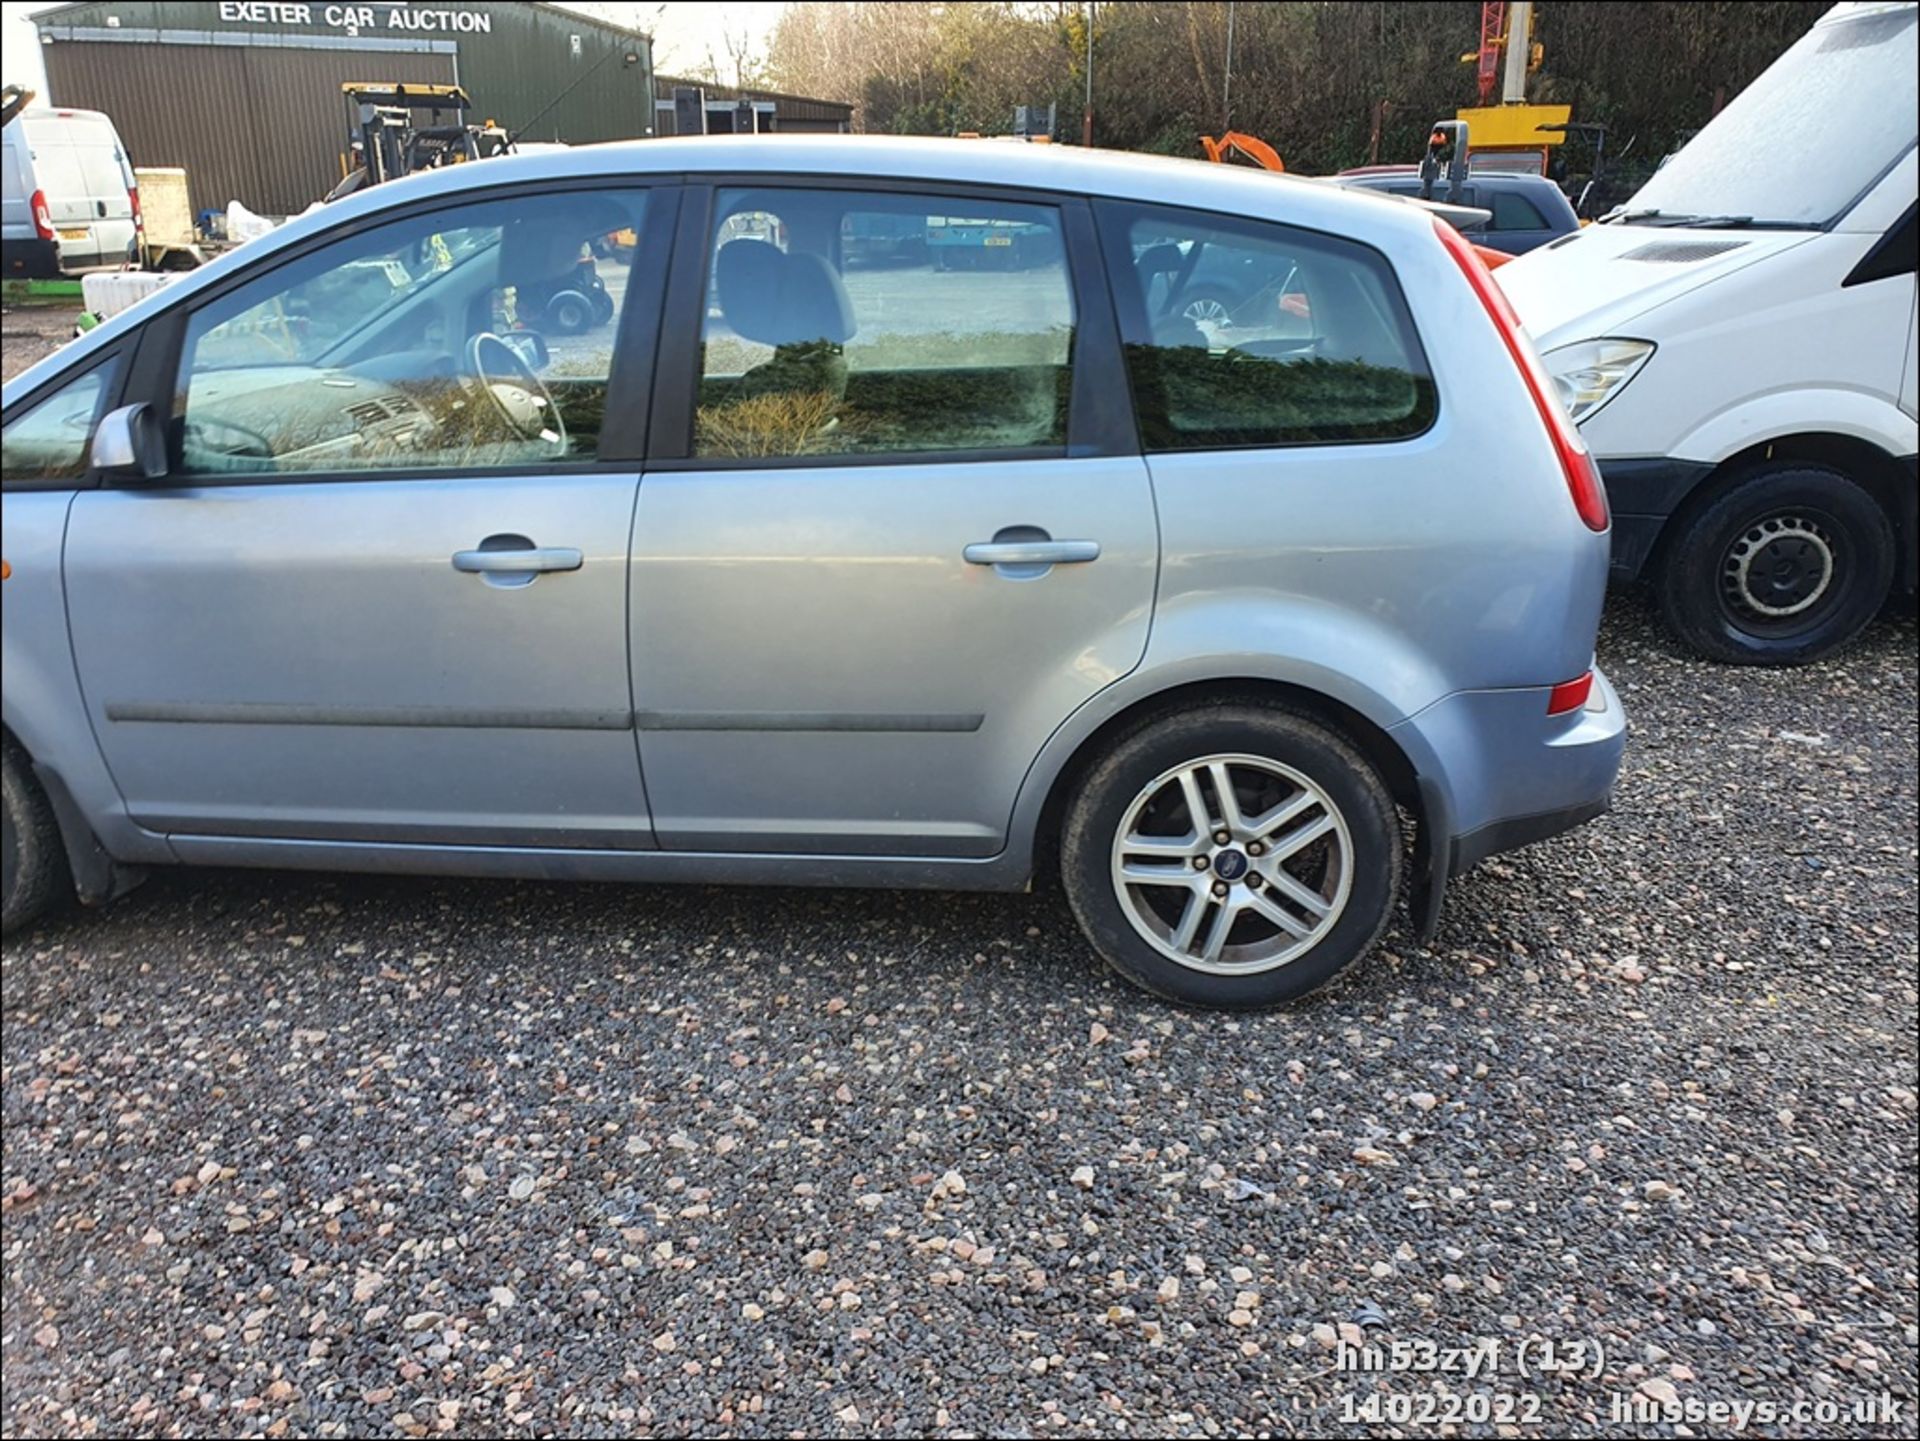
[{"x": 386, "y": 140}]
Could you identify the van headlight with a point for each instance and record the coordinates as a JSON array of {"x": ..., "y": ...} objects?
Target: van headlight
[{"x": 1590, "y": 373}]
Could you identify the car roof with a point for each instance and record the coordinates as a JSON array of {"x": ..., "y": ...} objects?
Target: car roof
[
  {"x": 1314, "y": 204},
  {"x": 1474, "y": 177}
]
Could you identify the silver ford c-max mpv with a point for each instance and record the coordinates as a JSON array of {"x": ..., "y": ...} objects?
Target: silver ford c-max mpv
[{"x": 612, "y": 515}]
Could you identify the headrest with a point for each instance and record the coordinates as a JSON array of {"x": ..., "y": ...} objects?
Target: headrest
[{"x": 776, "y": 298}]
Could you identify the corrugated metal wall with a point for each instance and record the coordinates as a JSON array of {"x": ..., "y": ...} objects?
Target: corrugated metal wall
[
  {"x": 793, "y": 114},
  {"x": 583, "y": 79},
  {"x": 262, "y": 126}
]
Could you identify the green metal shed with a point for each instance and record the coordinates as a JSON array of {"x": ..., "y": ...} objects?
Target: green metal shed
[{"x": 245, "y": 94}]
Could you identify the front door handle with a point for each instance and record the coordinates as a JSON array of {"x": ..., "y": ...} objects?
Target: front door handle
[
  {"x": 525, "y": 561},
  {"x": 1031, "y": 552}
]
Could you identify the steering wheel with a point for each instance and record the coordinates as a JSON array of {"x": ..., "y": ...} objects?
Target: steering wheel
[
  {"x": 520, "y": 396},
  {"x": 245, "y": 451}
]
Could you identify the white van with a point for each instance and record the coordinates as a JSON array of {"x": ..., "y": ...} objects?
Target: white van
[
  {"x": 1737, "y": 344},
  {"x": 71, "y": 203}
]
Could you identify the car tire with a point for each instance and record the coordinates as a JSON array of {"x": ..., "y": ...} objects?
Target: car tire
[
  {"x": 33, "y": 864},
  {"x": 1785, "y": 566},
  {"x": 602, "y": 306},
  {"x": 1134, "y": 804}
]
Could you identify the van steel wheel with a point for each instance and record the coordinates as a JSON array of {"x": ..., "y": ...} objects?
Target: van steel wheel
[
  {"x": 1786, "y": 566},
  {"x": 1232, "y": 855}
]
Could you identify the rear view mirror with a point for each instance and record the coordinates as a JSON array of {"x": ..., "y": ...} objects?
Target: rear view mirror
[{"x": 131, "y": 441}]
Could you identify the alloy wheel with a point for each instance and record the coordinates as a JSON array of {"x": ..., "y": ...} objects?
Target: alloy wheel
[{"x": 1233, "y": 864}]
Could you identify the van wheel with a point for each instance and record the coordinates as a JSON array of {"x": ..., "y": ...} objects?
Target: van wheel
[
  {"x": 1232, "y": 856},
  {"x": 33, "y": 866},
  {"x": 1787, "y": 566}
]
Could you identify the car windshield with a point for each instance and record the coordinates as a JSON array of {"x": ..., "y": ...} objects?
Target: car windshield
[{"x": 1802, "y": 143}]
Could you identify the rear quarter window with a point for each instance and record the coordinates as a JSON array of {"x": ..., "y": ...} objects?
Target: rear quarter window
[{"x": 1242, "y": 333}]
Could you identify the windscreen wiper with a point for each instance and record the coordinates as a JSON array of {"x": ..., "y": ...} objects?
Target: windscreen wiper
[
  {"x": 1705, "y": 222},
  {"x": 1661, "y": 220}
]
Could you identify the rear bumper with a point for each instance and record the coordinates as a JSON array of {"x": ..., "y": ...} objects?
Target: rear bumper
[
  {"x": 1496, "y": 773},
  {"x": 1517, "y": 831},
  {"x": 33, "y": 259}
]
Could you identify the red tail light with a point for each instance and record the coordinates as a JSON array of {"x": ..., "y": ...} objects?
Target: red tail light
[
  {"x": 1583, "y": 477},
  {"x": 133, "y": 199},
  {"x": 1570, "y": 695},
  {"x": 42, "y": 217}
]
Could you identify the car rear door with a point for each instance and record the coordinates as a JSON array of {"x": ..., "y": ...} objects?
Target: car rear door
[
  {"x": 895, "y": 526},
  {"x": 381, "y": 596}
]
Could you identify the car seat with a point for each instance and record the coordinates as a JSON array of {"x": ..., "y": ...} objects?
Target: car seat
[{"x": 794, "y": 302}]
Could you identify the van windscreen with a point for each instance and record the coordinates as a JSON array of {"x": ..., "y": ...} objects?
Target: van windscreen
[{"x": 1807, "y": 139}]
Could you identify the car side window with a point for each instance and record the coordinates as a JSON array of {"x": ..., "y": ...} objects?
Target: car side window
[
  {"x": 477, "y": 336},
  {"x": 49, "y": 441},
  {"x": 1243, "y": 333},
  {"x": 843, "y": 323},
  {"x": 1515, "y": 212}
]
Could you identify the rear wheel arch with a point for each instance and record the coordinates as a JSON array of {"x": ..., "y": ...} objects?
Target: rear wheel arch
[{"x": 1381, "y": 751}]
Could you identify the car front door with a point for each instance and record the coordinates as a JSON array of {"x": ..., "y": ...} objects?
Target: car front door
[
  {"x": 381, "y": 594},
  {"x": 895, "y": 525}
]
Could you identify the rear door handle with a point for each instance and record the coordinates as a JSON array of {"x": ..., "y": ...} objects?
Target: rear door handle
[
  {"x": 518, "y": 562},
  {"x": 1031, "y": 552}
]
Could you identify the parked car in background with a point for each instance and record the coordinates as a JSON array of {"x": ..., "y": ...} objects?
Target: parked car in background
[
  {"x": 935, "y": 574},
  {"x": 1525, "y": 211},
  {"x": 70, "y": 200},
  {"x": 1737, "y": 343}
]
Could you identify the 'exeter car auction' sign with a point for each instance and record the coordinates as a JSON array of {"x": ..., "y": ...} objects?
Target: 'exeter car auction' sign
[{"x": 355, "y": 18}]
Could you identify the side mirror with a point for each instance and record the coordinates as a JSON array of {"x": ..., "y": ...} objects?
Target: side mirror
[{"x": 131, "y": 441}]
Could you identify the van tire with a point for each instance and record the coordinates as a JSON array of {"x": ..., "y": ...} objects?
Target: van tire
[
  {"x": 1253, "y": 733},
  {"x": 1784, "y": 566},
  {"x": 33, "y": 864}
]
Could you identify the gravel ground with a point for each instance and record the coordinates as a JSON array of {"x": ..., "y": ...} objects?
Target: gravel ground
[
  {"x": 28, "y": 332},
  {"x": 303, "y": 1155}
]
